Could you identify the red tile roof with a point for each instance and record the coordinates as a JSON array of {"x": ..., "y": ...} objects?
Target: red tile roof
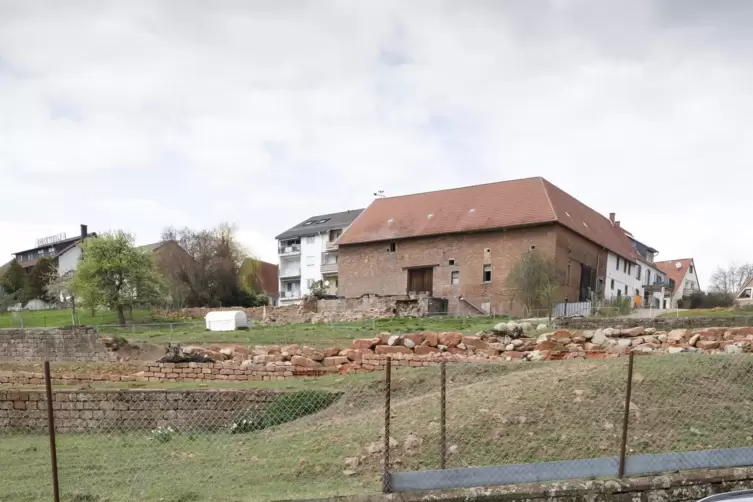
[
  {"x": 669, "y": 267},
  {"x": 506, "y": 204},
  {"x": 267, "y": 276}
]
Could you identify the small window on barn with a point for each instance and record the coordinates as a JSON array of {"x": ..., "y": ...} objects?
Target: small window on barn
[
  {"x": 455, "y": 278},
  {"x": 618, "y": 263},
  {"x": 747, "y": 292},
  {"x": 487, "y": 273},
  {"x": 612, "y": 284},
  {"x": 626, "y": 290},
  {"x": 392, "y": 248},
  {"x": 532, "y": 247},
  {"x": 691, "y": 269},
  {"x": 451, "y": 263}
]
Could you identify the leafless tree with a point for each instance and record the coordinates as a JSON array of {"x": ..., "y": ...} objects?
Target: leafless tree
[{"x": 732, "y": 279}]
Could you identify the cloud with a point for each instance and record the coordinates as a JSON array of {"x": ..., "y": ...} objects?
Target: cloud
[{"x": 144, "y": 114}]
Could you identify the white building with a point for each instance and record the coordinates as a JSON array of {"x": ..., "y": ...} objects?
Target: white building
[
  {"x": 684, "y": 275},
  {"x": 308, "y": 253},
  {"x": 637, "y": 276}
]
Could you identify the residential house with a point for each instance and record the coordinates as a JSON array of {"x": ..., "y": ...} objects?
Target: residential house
[
  {"x": 266, "y": 280},
  {"x": 745, "y": 296},
  {"x": 683, "y": 273},
  {"x": 637, "y": 277},
  {"x": 308, "y": 253},
  {"x": 64, "y": 252},
  {"x": 461, "y": 244}
]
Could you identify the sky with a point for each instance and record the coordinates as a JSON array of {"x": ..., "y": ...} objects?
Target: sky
[{"x": 143, "y": 114}]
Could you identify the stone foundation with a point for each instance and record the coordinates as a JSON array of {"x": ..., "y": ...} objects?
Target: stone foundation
[
  {"x": 72, "y": 344},
  {"x": 660, "y": 323},
  {"x": 128, "y": 410}
]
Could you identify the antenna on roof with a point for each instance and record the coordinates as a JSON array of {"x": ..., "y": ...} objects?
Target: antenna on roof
[{"x": 379, "y": 194}]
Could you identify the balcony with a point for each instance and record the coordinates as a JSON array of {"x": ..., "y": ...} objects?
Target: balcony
[
  {"x": 657, "y": 286},
  {"x": 330, "y": 245},
  {"x": 329, "y": 262},
  {"x": 290, "y": 272},
  {"x": 290, "y": 295},
  {"x": 289, "y": 250}
]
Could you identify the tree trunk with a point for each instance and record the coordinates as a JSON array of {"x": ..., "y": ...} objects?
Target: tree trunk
[{"x": 121, "y": 315}]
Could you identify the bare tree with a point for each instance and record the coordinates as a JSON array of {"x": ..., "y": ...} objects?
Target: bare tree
[
  {"x": 732, "y": 279},
  {"x": 534, "y": 280}
]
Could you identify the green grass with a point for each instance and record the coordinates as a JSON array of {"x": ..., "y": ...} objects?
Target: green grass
[
  {"x": 708, "y": 313},
  {"x": 496, "y": 414},
  {"x": 63, "y": 317}
]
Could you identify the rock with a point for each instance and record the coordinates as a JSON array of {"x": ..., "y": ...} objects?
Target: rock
[
  {"x": 637, "y": 331},
  {"x": 517, "y": 343},
  {"x": 475, "y": 342},
  {"x": 733, "y": 349},
  {"x": 707, "y": 344},
  {"x": 461, "y": 346},
  {"x": 561, "y": 335},
  {"x": 227, "y": 352},
  {"x": 543, "y": 338},
  {"x": 526, "y": 326},
  {"x": 580, "y": 340},
  {"x": 366, "y": 343},
  {"x": 542, "y": 327},
  {"x": 564, "y": 341},
  {"x": 624, "y": 342},
  {"x": 335, "y": 361},
  {"x": 431, "y": 339},
  {"x": 423, "y": 350},
  {"x": 662, "y": 338},
  {"x": 610, "y": 332},
  {"x": 415, "y": 338},
  {"x": 352, "y": 462},
  {"x": 649, "y": 331},
  {"x": 354, "y": 355},
  {"x": 412, "y": 442},
  {"x": 676, "y": 335},
  {"x": 676, "y": 350},
  {"x": 599, "y": 338},
  {"x": 386, "y": 349},
  {"x": 588, "y": 335},
  {"x": 450, "y": 339},
  {"x": 331, "y": 352},
  {"x": 393, "y": 341},
  {"x": 536, "y": 355},
  {"x": 453, "y": 449},
  {"x": 693, "y": 340},
  {"x": 509, "y": 347},
  {"x": 443, "y": 348},
  {"x": 374, "y": 448},
  {"x": 407, "y": 342},
  {"x": 500, "y": 327},
  {"x": 304, "y": 362},
  {"x": 348, "y": 472}
]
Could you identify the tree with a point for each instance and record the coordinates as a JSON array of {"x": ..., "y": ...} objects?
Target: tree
[
  {"x": 61, "y": 288},
  {"x": 42, "y": 274},
  {"x": 116, "y": 275},
  {"x": 14, "y": 279},
  {"x": 215, "y": 272},
  {"x": 732, "y": 279},
  {"x": 534, "y": 280}
]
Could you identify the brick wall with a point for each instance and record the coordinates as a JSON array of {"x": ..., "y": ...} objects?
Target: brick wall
[
  {"x": 370, "y": 268},
  {"x": 53, "y": 344},
  {"x": 128, "y": 410}
]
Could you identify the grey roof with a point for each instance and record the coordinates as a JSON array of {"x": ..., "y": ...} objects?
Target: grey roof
[
  {"x": 332, "y": 221},
  {"x": 151, "y": 247}
]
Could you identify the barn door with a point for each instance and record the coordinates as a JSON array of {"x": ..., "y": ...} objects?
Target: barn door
[{"x": 421, "y": 280}]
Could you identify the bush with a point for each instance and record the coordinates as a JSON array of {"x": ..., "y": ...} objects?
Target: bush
[
  {"x": 744, "y": 308},
  {"x": 621, "y": 305},
  {"x": 286, "y": 408},
  {"x": 163, "y": 434},
  {"x": 701, "y": 300}
]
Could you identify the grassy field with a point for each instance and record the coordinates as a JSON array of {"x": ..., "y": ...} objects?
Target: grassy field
[
  {"x": 64, "y": 317},
  {"x": 496, "y": 414},
  {"x": 709, "y": 313}
]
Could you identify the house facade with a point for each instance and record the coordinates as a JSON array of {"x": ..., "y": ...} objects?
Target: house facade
[
  {"x": 308, "y": 254},
  {"x": 683, "y": 273},
  {"x": 64, "y": 252},
  {"x": 745, "y": 296},
  {"x": 461, "y": 244}
]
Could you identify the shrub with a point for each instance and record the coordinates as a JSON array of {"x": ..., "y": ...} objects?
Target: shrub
[
  {"x": 621, "y": 305},
  {"x": 701, "y": 300},
  {"x": 163, "y": 434},
  {"x": 286, "y": 408}
]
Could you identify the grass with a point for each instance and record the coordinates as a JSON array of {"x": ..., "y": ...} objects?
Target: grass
[
  {"x": 709, "y": 313},
  {"x": 496, "y": 414},
  {"x": 63, "y": 317}
]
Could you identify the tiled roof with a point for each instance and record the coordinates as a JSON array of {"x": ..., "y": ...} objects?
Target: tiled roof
[
  {"x": 151, "y": 247},
  {"x": 267, "y": 276},
  {"x": 506, "y": 204},
  {"x": 311, "y": 226},
  {"x": 669, "y": 267}
]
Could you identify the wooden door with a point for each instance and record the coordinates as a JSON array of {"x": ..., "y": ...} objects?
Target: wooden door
[{"x": 421, "y": 280}]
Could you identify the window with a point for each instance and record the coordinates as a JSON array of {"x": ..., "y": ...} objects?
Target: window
[
  {"x": 637, "y": 292},
  {"x": 310, "y": 222},
  {"x": 455, "y": 278},
  {"x": 691, "y": 269},
  {"x": 638, "y": 275},
  {"x": 567, "y": 277},
  {"x": 451, "y": 263},
  {"x": 618, "y": 263},
  {"x": 323, "y": 220},
  {"x": 648, "y": 277},
  {"x": 335, "y": 282},
  {"x": 626, "y": 290},
  {"x": 40, "y": 251},
  {"x": 532, "y": 247},
  {"x": 289, "y": 287},
  {"x": 630, "y": 269},
  {"x": 310, "y": 239},
  {"x": 611, "y": 285},
  {"x": 335, "y": 234},
  {"x": 619, "y": 293},
  {"x": 487, "y": 273},
  {"x": 392, "y": 248},
  {"x": 746, "y": 293},
  {"x": 624, "y": 266}
]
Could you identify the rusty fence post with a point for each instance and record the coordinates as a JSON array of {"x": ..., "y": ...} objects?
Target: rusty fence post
[
  {"x": 51, "y": 428},
  {"x": 386, "y": 488},
  {"x": 443, "y": 415},
  {"x": 626, "y": 417}
]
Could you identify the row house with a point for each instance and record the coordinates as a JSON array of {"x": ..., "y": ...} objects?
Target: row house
[
  {"x": 308, "y": 253},
  {"x": 685, "y": 276}
]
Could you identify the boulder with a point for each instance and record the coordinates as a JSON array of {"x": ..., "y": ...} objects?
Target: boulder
[
  {"x": 599, "y": 338},
  {"x": 331, "y": 352},
  {"x": 544, "y": 337},
  {"x": 526, "y": 326},
  {"x": 637, "y": 331},
  {"x": 475, "y": 342},
  {"x": 316, "y": 355},
  {"x": 562, "y": 335},
  {"x": 676, "y": 350},
  {"x": 365, "y": 343},
  {"x": 500, "y": 328},
  {"x": 610, "y": 332},
  {"x": 352, "y": 355},
  {"x": 676, "y": 335},
  {"x": 545, "y": 345},
  {"x": 335, "y": 361},
  {"x": 394, "y": 340},
  {"x": 662, "y": 338},
  {"x": 416, "y": 338},
  {"x": 423, "y": 350},
  {"x": 387, "y": 350},
  {"x": 536, "y": 356},
  {"x": 450, "y": 339},
  {"x": 693, "y": 340},
  {"x": 707, "y": 344},
  {"x": 509, "y": 347},
  {"x": 407, "y": 342},
  {"x": 733, "y": 349},
  {"x": 589, "y": 334},
  {"x": 431, "y": 339},
  {"x": 517, "y": 343},
  {"x": 649, "y": 331},
  {"x": 625, "y": 342},
  {"x": 542, "y": 327},
  {"x": 304, "y": 362}
]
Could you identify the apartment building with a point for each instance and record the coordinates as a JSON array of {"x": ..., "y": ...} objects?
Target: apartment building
[{"x": 308, "y": 253}]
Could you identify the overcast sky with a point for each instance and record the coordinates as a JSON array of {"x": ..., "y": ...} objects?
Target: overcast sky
[{"x": 143, "y": 114}]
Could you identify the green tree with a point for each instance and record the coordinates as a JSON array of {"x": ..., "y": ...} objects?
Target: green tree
[
  {"x": 116, "y": 275},
  {"x": 14, "y": 279},
  {"x": 42, "y": 274},
  {"x": 534, "y": 280}
]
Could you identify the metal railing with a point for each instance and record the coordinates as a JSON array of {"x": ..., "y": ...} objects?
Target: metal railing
[{"x": 290, "y": 249}]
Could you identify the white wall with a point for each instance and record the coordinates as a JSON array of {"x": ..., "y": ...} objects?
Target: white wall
[
  {"x": 621, "y": 278},
  {"x": 69, "y": 260},
  {"x": 688, "y": 279},
  {"x": 311, "y": 260}
]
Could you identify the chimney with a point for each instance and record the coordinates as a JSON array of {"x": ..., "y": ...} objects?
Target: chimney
[
  {"x": 617, "y": 224},
  {"x": 84, "y": 231},
  {"x": 611, "y": 217}
]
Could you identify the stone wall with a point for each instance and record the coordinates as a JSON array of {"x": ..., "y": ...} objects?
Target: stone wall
[
  {"x": 660, "y": 323},
  {"x": 54, "y": 344},
  {"x": 127, "y": 410}
]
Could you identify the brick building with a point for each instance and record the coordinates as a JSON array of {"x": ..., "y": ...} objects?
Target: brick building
[{"x": 460, "y": 244}]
